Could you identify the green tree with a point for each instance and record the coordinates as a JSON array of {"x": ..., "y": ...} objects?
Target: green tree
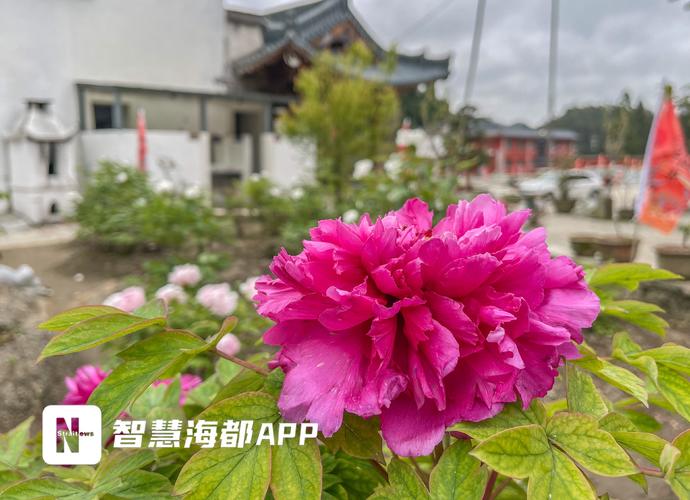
[
  {"x": 346, "y": 116},
  {"x": 461, "y": 152}
]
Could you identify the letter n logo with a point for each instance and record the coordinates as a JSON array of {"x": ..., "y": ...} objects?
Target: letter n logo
[{"x": 72, "y": 434}]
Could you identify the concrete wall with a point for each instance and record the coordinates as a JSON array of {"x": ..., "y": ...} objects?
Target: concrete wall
[
  {"x": 173, "y": 156},
  {"x": 285, "y": 162}
]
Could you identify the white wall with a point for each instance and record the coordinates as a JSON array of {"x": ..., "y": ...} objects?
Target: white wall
[
  {"x": 189, "y": 154},
  {"x": 286, "y": 163},
  {"x": 234, "y": 156}
]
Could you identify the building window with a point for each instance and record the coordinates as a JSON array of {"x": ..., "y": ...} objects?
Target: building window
[
  {"x": 104, "y": 116},
  {"x": 52, "y": 159}
]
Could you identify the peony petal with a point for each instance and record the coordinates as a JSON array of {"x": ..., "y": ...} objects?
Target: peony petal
[{"x": 410, "y": 431}]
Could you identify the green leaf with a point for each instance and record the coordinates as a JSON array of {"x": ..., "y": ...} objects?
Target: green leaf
[
  {"x": 13, "y": 443},
  {"x": 682, "y": 442},
  {"x": 71, "y": 317},
  {"x": 627, "y": 275},
  {"x": 518, "y": 452},
  {"x": 96, "y": 331},
  {"x": 595, "y": 449},
  {"x": 562, "y": 480},
  {"x": 676, "y": 389},
  {"x": 458, "y": 475},
  {"x": 227, "y": 370},
  {"x": 138, "y": 484},
  {"x": 273, "y": 384},
  {"x": 405, "y": 481},
  {"x": 642, "y": 314},
  {"x": 46, "y": 488},
  {"x": 582, "y": 394},
  {"x": 256, "y": 406},
  {"x": 623, "y": 379},
  {"x": 512, "y": 416},
  {"x": 648, "y": 445},
  {"x": 624, "y": 344},
  {"x": 668, "y": 458},
  {"x": 671, "y": 355},
  {"x": 357, "y": 437},
  {"x": 121, "y": 463},
  {"x": 296, "y": 470},
  {"x": 155, "y": 308},
  {"x": 616, "y": 422},
  {"x": 145, "y": 362},
  {"x": 641, "y": 420},
  {"x": 222, "y": 473},
  {"x": 359, "y": 478},
  {"x": 245, "y": 381}
]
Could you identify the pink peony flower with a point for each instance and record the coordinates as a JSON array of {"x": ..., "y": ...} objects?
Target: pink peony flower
[
  {"x": 171, "y": 293},
  {"x": 218, "y": 298},
  {"x": 187, "y": 383},
  {"x": 185, "y": 275},
  {"x": 229, "y": 344},
  {"x": 80, "y": 387},
  {"x": 424, "y": 325},
  {"x": 128, "y": 299}
]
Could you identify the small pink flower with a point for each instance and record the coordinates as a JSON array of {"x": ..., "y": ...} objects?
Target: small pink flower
[
  {"x": 128, "y": 299},
  {"x": 187, "y": 383},
  {"x": 217, "y": 298},
  {"x": 248, "y": 287},
  {"x": 185, "y": 275},
  {"x": 171, "y": 293},
  {"x": 229, "y": 345},
  {"x": 80, "y": 387}
]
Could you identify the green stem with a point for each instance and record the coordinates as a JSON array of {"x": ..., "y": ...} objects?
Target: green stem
[
  {"x": 650, "y": 471},
  {"x": 499, "y": 488},
  {"x": 243, "y": 363},
  {"x": 490, "y": 485},
  {"x": 379, "y": 468}
]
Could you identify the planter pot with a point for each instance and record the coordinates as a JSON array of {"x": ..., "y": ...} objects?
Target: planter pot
[
  {"x": 674, "y": 258},
  {"x": 617, "y": 248},
  {"x": 564, "y": 205},
  {"x": 584, "y": 245}
]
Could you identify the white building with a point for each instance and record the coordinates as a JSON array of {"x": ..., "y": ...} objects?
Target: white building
[{"x": 211, "y": 81}]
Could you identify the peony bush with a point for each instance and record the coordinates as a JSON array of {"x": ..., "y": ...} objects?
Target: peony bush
[{"x": 445, "y": 360}]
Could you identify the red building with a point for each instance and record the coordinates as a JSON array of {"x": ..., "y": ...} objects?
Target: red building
[{"x": 518, "y": 148}]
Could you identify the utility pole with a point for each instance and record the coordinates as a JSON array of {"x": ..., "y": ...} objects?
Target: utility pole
[
  {"x": 553, "y": 64},
  {"x": 474, "y": 54}
]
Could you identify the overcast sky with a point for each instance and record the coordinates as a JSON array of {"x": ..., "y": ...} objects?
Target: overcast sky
[{"x": 605, "y": 46}]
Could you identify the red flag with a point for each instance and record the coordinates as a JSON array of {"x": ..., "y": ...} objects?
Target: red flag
[
  {"x": 141, "y": 138},
  {"x": 665, "y": 183}
]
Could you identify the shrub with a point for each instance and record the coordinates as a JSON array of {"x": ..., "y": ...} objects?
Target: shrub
[{"x": 121, "y": 211}]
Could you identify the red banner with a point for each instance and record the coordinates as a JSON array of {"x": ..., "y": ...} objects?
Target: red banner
[
  {"x": 141, "y": 139},
  {"x": 665, "y": 186}
]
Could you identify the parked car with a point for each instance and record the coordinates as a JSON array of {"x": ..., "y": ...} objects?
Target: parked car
[{"x": 580, "y": 184}]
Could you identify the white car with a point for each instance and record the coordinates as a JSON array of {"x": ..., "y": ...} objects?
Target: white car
[{"x": 581, "y": 184}]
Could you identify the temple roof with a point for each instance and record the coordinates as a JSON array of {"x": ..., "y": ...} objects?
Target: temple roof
[{"x": 297, "y": 27}]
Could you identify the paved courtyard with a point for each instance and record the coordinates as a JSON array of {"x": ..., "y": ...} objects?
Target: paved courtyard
[{"x": 559, "y": 227}]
